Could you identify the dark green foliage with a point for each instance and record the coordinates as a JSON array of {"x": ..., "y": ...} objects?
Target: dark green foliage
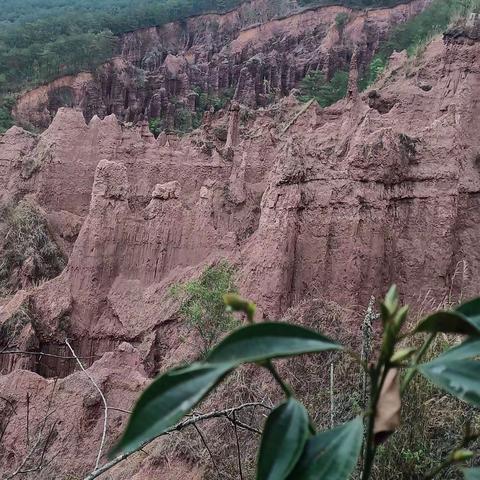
[
  {"x": 6, "y": 105},
  {"x": 314, "y": 85},
  {"x": 41, "y": 40},
  {"x": 332, "y": 454},
  {"x": 202, "y": 304},
  {"x": 284, "y": 436},
  {"x": 26, "y": 241},
  {"x": 167, "y": 400},
  {"x": 271, "y": 340},
  {"x": 156, "y": 126},
  {"x": 341, "y": 20},
  {"x": 207, "y": 102}
]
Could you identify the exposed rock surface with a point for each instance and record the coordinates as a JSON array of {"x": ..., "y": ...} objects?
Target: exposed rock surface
[
  {"x": 341, "y": 201},
  {"x": 250, "y": 53}
]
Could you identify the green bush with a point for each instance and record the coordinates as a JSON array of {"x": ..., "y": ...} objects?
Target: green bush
[
  {"x": 341, "y": 20},
  {"x": 156, "y": 126},
  {"x": 290, "y": 447},
  {"x": 202, "y": 305},
  {"x": 314, "y": 85},
  {"x": 6, "y": 104}
]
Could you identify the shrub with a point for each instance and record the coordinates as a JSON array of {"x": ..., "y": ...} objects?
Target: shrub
[
  {"x": 13, "y": 326},
  {"x": 27, "y": 241},
  {"x": 6, "y": 104},
  {"x": 341, "y": 20},
  {"x": 315, "y": 85},
  {"x": 156, "y": 126},
  {"x": 291, "y": 448},
  {"x": 202, "y": 304}
]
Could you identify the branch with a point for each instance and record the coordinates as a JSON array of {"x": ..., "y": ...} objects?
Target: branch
[
  {"x": 297, "y": 116},
  {"x": 42, "y": 354},
  {"x": 176, "y": 428},
  {"x": 104, "y": 400}
]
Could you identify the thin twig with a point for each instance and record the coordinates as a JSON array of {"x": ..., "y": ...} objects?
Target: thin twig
[
  {"x": 205, "y": 444},
  {"x": 238, "y": 447},
  {"x": 298, "y": 115},
  {"x": 191, "y": 421},
  {"x": 104, "y": 400},
  {"x": 28, "y": 418},
  {"x": 42, "y": 354},
  {"x": 243, "y": 425},
  {"x": 120, "y": 410}
]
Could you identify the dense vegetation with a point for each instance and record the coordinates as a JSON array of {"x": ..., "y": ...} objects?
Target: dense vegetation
[
  {"x": 40, "y": 40},
  {"x": 315, "y": 85}
]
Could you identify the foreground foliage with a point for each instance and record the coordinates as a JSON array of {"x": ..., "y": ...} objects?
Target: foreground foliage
[{"x": 290, "y": 447}]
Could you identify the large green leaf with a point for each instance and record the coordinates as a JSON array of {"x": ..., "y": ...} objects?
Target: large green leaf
[
  {"x": 285, "y": 434},
  {"x": 167, "y": 400},
  {"x": 471, "y": 310},
  {"x": 465, "y": 319},
  {"x": 471, "y": 473},
  {"x": 448, "y": 322},
  {"x": 331, "y": 455},
  {"x": 470, "y": 348},
  {"x": 461, "y": 378},
  {"x": 263, "y": 341}
]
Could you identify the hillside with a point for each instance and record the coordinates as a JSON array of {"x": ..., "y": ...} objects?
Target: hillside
[{"x": 198, "y": 151}]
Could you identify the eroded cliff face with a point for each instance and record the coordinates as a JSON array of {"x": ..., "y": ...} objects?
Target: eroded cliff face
[
  {"x": 162, "y": 72},
  {"x": 382, "y": 187}
]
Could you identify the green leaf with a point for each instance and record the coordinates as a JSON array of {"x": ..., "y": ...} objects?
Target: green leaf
[
  {"x": 331, "y": 455},
  {"x": 471, "y": 473},
  {"x": 285, "y": 434},
  {"x": 448, "y": 322},
  {"x": 391, "y": 300},
  {"x": 262, "y": 341},
  {"x": 470, "y": 348},
  {"x": 167, "y": 400},
  {"x": 461, "y": 378},
  {"x": 471, "y": 310},
  {"x": 465, "y": 319}
]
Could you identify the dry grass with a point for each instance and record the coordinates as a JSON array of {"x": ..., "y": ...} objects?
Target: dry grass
[{"x": 27, "y": 254}]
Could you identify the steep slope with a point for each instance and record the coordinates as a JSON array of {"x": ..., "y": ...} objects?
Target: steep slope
[
  {"x": 381, "y": 187},
  {"x": 165, "y": 72}
]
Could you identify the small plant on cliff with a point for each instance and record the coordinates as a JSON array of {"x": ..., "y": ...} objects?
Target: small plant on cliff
[
  {"x": 315, "y": 85},
  {"x": 6, "y": 104},
  {"x": 27, "y": 254},
  {"x": 156, "y": 126},
  {"x": 341, "y": 20},
  {"x": 291, "y": 448},
  {"x": 202, "y": 304}
]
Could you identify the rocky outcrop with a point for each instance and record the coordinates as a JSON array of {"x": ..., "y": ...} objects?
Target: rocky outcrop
[
  {"x": 250, "y": 52},
  {"x": 339, "y": 201}
]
